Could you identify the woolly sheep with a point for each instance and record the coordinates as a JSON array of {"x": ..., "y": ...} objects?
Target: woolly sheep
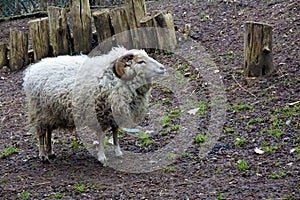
[{"x": 122, "y": 92}]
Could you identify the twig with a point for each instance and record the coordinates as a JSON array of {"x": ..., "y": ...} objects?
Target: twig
[{"x": 242, "y": 86}]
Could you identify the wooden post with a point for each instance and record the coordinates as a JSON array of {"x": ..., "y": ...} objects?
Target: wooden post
[
  {"x": 3, "y": 54},
  {"x": 136, "y": 10},
  {"x": 39, "y": 31},
  {"x": 82, "y": 26},
  {"x": 103, "y": 27},
  {"x": 258, "y": 49},
  {"x": 18, "y": 49},
  {"x": 120, "y": 24},
  {"x": 164, "y": 35},
  {"x": 59, "y": 31},
  {"x": 148, "y": 38}
]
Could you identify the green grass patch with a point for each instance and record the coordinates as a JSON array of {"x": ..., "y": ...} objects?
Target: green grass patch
[
  {"x": 242, "y": 165},
  {"x": 200, "y": 138},
  {"x": 9, "y": 151}
]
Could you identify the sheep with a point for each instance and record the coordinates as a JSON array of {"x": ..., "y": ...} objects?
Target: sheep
[{"x": 121, "y": 94}]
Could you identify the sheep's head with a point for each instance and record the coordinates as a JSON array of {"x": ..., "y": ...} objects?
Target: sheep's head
[{"x": 137, "y": 62}]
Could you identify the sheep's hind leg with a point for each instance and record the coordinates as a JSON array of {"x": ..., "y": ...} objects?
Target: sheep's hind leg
[
  {"x": 48, "y": 145},
  {"x": 117, "y": 147},
  {"x": 42, "y": 152},
  {"x": 101, "y": 155}
]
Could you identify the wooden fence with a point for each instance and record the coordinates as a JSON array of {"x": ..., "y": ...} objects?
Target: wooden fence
[{"x": 52, "y": 36}]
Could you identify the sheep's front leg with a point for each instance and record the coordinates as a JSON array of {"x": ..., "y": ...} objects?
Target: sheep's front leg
[
  {"x": 117, "y": 147},
  {"x": 101, "y": 154},
  {"x": 48, "y": 145}
]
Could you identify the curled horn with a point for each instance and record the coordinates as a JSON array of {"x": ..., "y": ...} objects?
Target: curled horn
[{"x": 119, "y": 67}]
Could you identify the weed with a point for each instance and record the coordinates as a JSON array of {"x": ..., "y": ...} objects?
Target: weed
[
  {"x": 219, "y": 171},
  {"x": 200, "y": 138},
  {"x": 164, "y": 132},
  {"x": 255, "y": 120},
  {"x": 240, "y": 142},
  {"x": 79, "y": 188},
  {"x": 146, "y": 140},
  {"x": 169, "y": 169},
  {"x": 277, "y": 164},
  {"x": 202, "y": 107},
  {"x": 278, "y": 175},
  {"x": 242, "y": 165},
  {"x": 9, "y": 151},
  {"x": 175, "y": 127},
  {"x": 275, "y": 132},
  {"x": 297, "y": 150},
  {"x": 58, "y": 196},
  {"x": 271, "y": 149},
  {"x": 242, "y": 107},
  {"x": 171, "y": 156},
  {"x": 75, "y": 144},
  {"x": 229, "y": 130},
  {"x": 24, "y": 195},
  {"x": 221, "y": 197}
]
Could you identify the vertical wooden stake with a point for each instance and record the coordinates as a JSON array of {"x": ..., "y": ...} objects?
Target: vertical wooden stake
[
  {"x": 82, "y": 26},
  {"x": 258, "y": 49},
  {"x": 136, "y": 10},
  {"x": 59, "y": 31},
  {"x": 103, "y": 27},
  {"x": 120, "y": 24},
  {"x": 39, "y": 31},
  {"x": 18, "y": 49},
  {"x": 3, "y": 54}
]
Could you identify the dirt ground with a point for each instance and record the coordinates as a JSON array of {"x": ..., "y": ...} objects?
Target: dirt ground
[{"x": 263, "y": 114}]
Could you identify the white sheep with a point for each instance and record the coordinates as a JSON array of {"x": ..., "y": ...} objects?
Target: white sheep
[{"x": 121, "y": 94}]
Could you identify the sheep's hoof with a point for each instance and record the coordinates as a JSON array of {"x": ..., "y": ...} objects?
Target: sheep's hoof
[
  {"x": 118, "y": 151},
  {"x": 51, "y": 156},
  {"x": 102, "y": 158}
]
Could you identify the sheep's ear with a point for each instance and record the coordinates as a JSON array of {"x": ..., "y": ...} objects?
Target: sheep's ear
[{"x": 119, "y": 67}]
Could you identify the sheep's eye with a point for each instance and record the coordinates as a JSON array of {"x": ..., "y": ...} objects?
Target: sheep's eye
[{"x": 141, "y": 62}]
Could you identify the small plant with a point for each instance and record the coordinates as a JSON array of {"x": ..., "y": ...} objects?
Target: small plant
[
  {"x": 275, "y": 132},
  {"x": 271, "y": 149},
  {"x": 175, "y": 127},
  {"x": 242, "y": 165},
  {"x": 229, "y": 130},
  {"x": 255, "y": 120},
  {"x": 202, "y": 108},
  {"x": 164, "y": 132},
  {"x": 171, "y": 156},
  {"x": 278, "y": 175},
  {"x": 200, "y": 138},
  {"x": 9, "y": 151},
  {"x": 242, "y": 107},
  {"x": 297, "y": 150},
  {"x": 240, "y": 142},
  {"x": 146, "y": 140},
  {"x": 79, "y": 188},
  {"x": 220, "y": 197},
  {"x": 166, "y": 121},
  {"x": 58, "y": 196},
  {"x": 277, "y": 164},
  {"x": 24, "y": 195},
  {"x": 169, "y": 169},
  {"x": 74, "y": 144},
  {"x": 219, "y": 171}
]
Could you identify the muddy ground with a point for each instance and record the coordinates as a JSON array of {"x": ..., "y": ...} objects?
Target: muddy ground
[{"x": 262, "y": 113}]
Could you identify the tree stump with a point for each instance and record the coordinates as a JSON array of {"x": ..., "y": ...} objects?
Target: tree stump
[
  {"x": 18, "y": 49},
  {"x": 258, "y": 49},
  {"x": 103, "y": 27},
  {"x": 148, "y": 38},
  {"x": 82, "y": 26},
  {"x": 136, "y": 10},
  {"x": 59, "y": 31},
  {"x": 120, "y": 24},
  {"x": 3, "y": 54},
  {"x": 39, "y": 31},
  {"x": 164, "y": 33}
]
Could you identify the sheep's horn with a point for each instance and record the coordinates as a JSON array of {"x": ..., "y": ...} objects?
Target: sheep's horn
[{"x": 119, "y": 67}]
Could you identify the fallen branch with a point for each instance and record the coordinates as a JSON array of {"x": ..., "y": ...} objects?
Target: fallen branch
[{"x": 243, "y": 87}]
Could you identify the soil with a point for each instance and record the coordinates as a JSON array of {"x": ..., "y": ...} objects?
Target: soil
[{"x": 261, "y": 113}]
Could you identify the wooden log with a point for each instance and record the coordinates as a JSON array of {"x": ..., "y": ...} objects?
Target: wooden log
[
  {"x": 121, "y": 27},
  {"x": 163, "y": 36},
  {"x": 82, "y": 26},
  {"x": 104, "y": 28},
  {"x": 39, "y": 31},
  {"x": 148, "y": 38},
  {"x": 3, "y": 54},
  {"x": 136, "y": 11},
  {"x": 258, "y": 49},
  {"x": 166, "y": 32},
  {"x": 18, "y": 49},
  {"x": 60, "y": 38}
]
